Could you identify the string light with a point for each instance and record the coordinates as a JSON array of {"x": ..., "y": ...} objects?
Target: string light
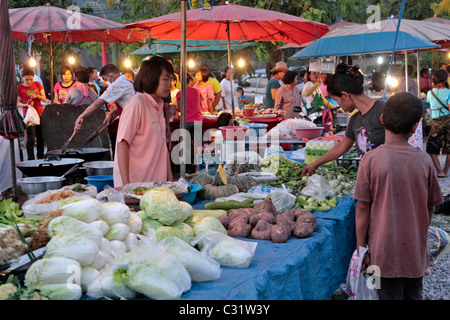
[
  {"x": 71, "y": 60},
  {"x": 191, "y": 63},
  {"x": 32, "y": 62},
  {"x": 128, "y": 63},
  {"x": 241, "y": 63}
]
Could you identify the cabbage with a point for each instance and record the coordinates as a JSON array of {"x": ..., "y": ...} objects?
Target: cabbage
[
  {"x": 101, "y": 225},
  {"x": 118, "y": 231},
  {"x": 227, "y": 251},
  {"x": 118, "y": 247},
  {"x": 186, "y": 229},
  {"x": 161, "y": 204},
  {"x": 131, "y": 241},
  {"x": 60, "y": 291},
  {"x": 186, "y": 210},
  {"x": 166, "y": 231},
  {"x": 200, "y": 266},
  {"x": 72, "y": 246},
  {"x": 69, "y": 225},
  {"x": 150, "y": 224},
  {"x": 53, "y": 270},
  {"x": 87, "y": 210},
  {"x": 73, "y": 200},
  {"x": 135, "y": 223},
  {"x": 101, "y": 259},
  {"x": 209, "y": 224},
  {"x": 164, "y": 277},
  {"x": 114, "y": 291},
  {"x": 115, "y": 212},
  {"x": 88, "y": 275}
]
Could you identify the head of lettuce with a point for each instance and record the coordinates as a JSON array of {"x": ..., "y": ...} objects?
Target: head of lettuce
[{"x": 161, "y": 204}]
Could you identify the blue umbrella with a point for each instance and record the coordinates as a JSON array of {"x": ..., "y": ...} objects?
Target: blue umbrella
[{"x": 365, "y": 43}]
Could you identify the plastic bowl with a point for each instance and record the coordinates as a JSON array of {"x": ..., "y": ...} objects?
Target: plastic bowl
[
  {"x": 190, "y": 197},
  {"x": 308, "y": 133},
  {"x": 256, "y": 128},
  {"x": 100, "y": 181},
  {"x": 233, "y": 132}
]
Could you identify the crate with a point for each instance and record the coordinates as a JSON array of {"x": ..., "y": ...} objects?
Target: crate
[{"x": 346, "y": 163}]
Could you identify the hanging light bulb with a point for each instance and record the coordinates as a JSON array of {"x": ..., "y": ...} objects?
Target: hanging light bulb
[
  {"x": 127, "y": 63},
  {"x": 380, "y": 60},
  {"x": 393, "y": 82},
  {"x": 241, "y": 63},
  {"x": 71, "y": 60},
  {"x": 191, "y": 63},
  {"x": 32, "y": 62}
]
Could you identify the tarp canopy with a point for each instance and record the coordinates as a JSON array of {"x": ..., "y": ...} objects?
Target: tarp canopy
[
  {"x": 365, "y": 43},
  {"x": 174, "y": 46}
]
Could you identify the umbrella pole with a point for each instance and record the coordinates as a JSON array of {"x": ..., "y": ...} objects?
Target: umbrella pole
[
  {"x": 52, "y": 94},
  {"x": 183, "y": 76},
  {"x": 15, "y": 197},
  {"x": 406, "y": 71},
  {"x": 418, "y": 74},
  {"x": 231, "y": 69}
]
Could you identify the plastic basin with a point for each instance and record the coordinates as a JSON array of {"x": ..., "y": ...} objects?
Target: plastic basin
[
  {"x": 100, "y": 181},
  {"x": 190, "y": 197},
  {"x": 256, "y": 128},
  {"x": 233, "y": 132},
  {"x": 308, "y": 133}
]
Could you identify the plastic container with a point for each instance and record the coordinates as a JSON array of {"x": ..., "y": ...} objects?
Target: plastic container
[
  {"x": 249, "y": 112},
  {"x": 308, "y": 133},
  {"x": 100, "y": 181},
  {"x": 190, "y": 197},
  {"x": 233, "y": 132},
  {"x": 258, "y": 129}
]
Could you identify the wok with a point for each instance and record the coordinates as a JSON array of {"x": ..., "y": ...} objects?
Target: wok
[
  {"x": 50, "y": 166},
  {"x": 87, "y": 154}
]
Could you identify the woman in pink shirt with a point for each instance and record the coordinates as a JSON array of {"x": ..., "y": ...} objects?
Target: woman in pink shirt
[
  {"x": 206, "y": 90},
  {"x": 141, "y": 149}
]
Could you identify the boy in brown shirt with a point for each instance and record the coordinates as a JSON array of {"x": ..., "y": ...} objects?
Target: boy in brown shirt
[{"x": 397, "y": 190}]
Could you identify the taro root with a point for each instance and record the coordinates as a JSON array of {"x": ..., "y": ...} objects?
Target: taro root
[
  {"x": 307, "y": 217},
  {"x": 241, "y": 229},
  {"x": 282, "y": 220},
  {"x": 266, "y": 205},
  {"x": 303, "y": 230},
  {"x": 289, "y": 214},
  {"x": 225, "y": 220},
  {"x": 299, "y": 212},
  {"x": 262, "y": 215},
  {"x": 262, "y": 230},
  {"x": 280, "y": 233},
  {"x": 237, "y": 220}
]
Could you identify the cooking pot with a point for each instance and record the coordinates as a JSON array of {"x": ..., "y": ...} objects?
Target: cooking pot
[
  {"x": 99, "y": 168},
  {"x": 87, "y": 154},
  {"x": 50, "y": 166}
]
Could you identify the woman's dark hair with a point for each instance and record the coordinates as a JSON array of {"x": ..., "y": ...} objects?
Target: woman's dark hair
[
  {"x": 423, "y": 71},
  {"x": 327, "y": 78},
  {"x": 64, "y": 69},
  {"x": 224, "y": 119},
  {"x": 302, "y": 73},
  {"x": 147, "y": 78},
  {"x": 27, "y": 72},
  {"x": 82, "y": 76},
  {"x": 439, "y": 76},
  {"x": 109, "y": 68},
  {"x": 289, "y": 77},
  {"x": 204, "y": 71},
  {"x": 91, "y": 70},
  {"x": 401, "y": 112},
  {"x": 346, "y": 78}
]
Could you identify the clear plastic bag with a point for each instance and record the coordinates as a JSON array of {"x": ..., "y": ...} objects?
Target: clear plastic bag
[
  {"x": 32, "y": 117},
  {"x": 318, "y": 187},
  {"x": 282, "y": 199},
  {"x": 110, "y": 194}
]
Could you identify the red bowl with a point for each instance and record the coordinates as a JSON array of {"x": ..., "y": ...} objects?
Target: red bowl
[
  {"x": 233, "y": 132},
  {"x": 308, "y": 133}
]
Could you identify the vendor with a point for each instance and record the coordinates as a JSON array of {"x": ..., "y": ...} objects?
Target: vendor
[
  {"x": 312, "y": 96},
  {"x": 119, "y": 91},
  {"x": 365, "y": 129},
  {"x": 141, "y": 153}
]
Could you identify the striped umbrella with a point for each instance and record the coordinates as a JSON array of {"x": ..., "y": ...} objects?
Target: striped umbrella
[
  {"x": 52, "y": 24},
  {"x": 11, "y": 124}
]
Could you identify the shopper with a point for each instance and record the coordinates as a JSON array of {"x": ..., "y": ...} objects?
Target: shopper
[
  {"x": 141, "y": 152},
  {"x": 274, "y": 83},
  {"x": 31, "y": 93},
  {"x": 364, "y": 130},
  {"x": 397, "y": 190},
  {"x": 288, "y": 97},
  {"x": 227, "y": 95},
  {"x": 62, "y": 87},
  {"x": 439, "y": 136},
  {"x": 81, "y": 94},
  {"x": 206, "y": 90}
]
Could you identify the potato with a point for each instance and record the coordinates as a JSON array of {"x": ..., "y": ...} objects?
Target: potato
[
  {"x": 238, "y": 213},
  {"x": 303, "y": 230},
  {"x": 263, "y": 215},
  {"x": 237, "y": 221},
  {"x": 282, "y": 220},
  {"x": 307, "y": 218},
  {"x": 289, "y": 214},
  {"x": 280, "y": 233},
  {"x": 299, "y": 212},
  {"x": 266, "y": 205},
  {"x": 225, "y": 220},
  {"x": 262, "y": 230},
  {"x": 241, "y": 230}
]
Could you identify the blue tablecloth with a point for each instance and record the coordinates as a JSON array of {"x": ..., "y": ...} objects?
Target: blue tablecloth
[{"x": 300, "y": 269}]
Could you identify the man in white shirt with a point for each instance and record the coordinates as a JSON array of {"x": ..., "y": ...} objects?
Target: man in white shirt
[
  {"x": 227, "y": 95},
  {"x": 119, "y": 91}
]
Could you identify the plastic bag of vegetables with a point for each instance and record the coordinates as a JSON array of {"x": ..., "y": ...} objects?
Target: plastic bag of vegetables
[
  {"x": 69, "y": 225},
  {"x": 227, "y": 251},
  {"x": 149, "y": 270},
  {"x": 87, "y": 210},
  {"x": 201, "y": 267},
  {"x": 105, "y": 286},
  {"x": 72, "y": 246},
  {"x": 161, "y": 204},
  {"x": 318, "y": 187},
  {"x": 209, "y": 224},
  {"x": 282, "y": 199}
]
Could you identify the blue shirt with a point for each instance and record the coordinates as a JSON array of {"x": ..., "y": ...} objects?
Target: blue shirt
[
  {"x": 272, "y": 84},
  {"x": 437, "y": 110}
]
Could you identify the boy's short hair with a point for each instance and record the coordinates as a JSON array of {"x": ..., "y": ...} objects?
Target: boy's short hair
[
  {"x": 109, "y": 68},
  {"x": 401, "y": 112},
  {"x": 27, "y": 72}
]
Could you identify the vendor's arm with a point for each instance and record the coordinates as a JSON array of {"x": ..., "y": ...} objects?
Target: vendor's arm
[
  {"x": 362, "y": 215},
  {"x": 338, "y": 150},
  {"x": 310, "y": 90},
  {"x": 123, "y": 160},
  {"x": 97, "y": 104}
]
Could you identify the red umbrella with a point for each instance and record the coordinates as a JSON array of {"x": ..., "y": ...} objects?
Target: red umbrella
[
  {"x": 11, "y": 124},
  {"x": 243, "y": 24},
  {"x": 50, "y": 24}
]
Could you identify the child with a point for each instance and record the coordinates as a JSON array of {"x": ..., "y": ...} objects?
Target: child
[
  {"x": 241, "y": 97},
  {"x": 31, "y": 93},
  {"x": 62, "y": 88},
  {"x": 397, "y": 190}
]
